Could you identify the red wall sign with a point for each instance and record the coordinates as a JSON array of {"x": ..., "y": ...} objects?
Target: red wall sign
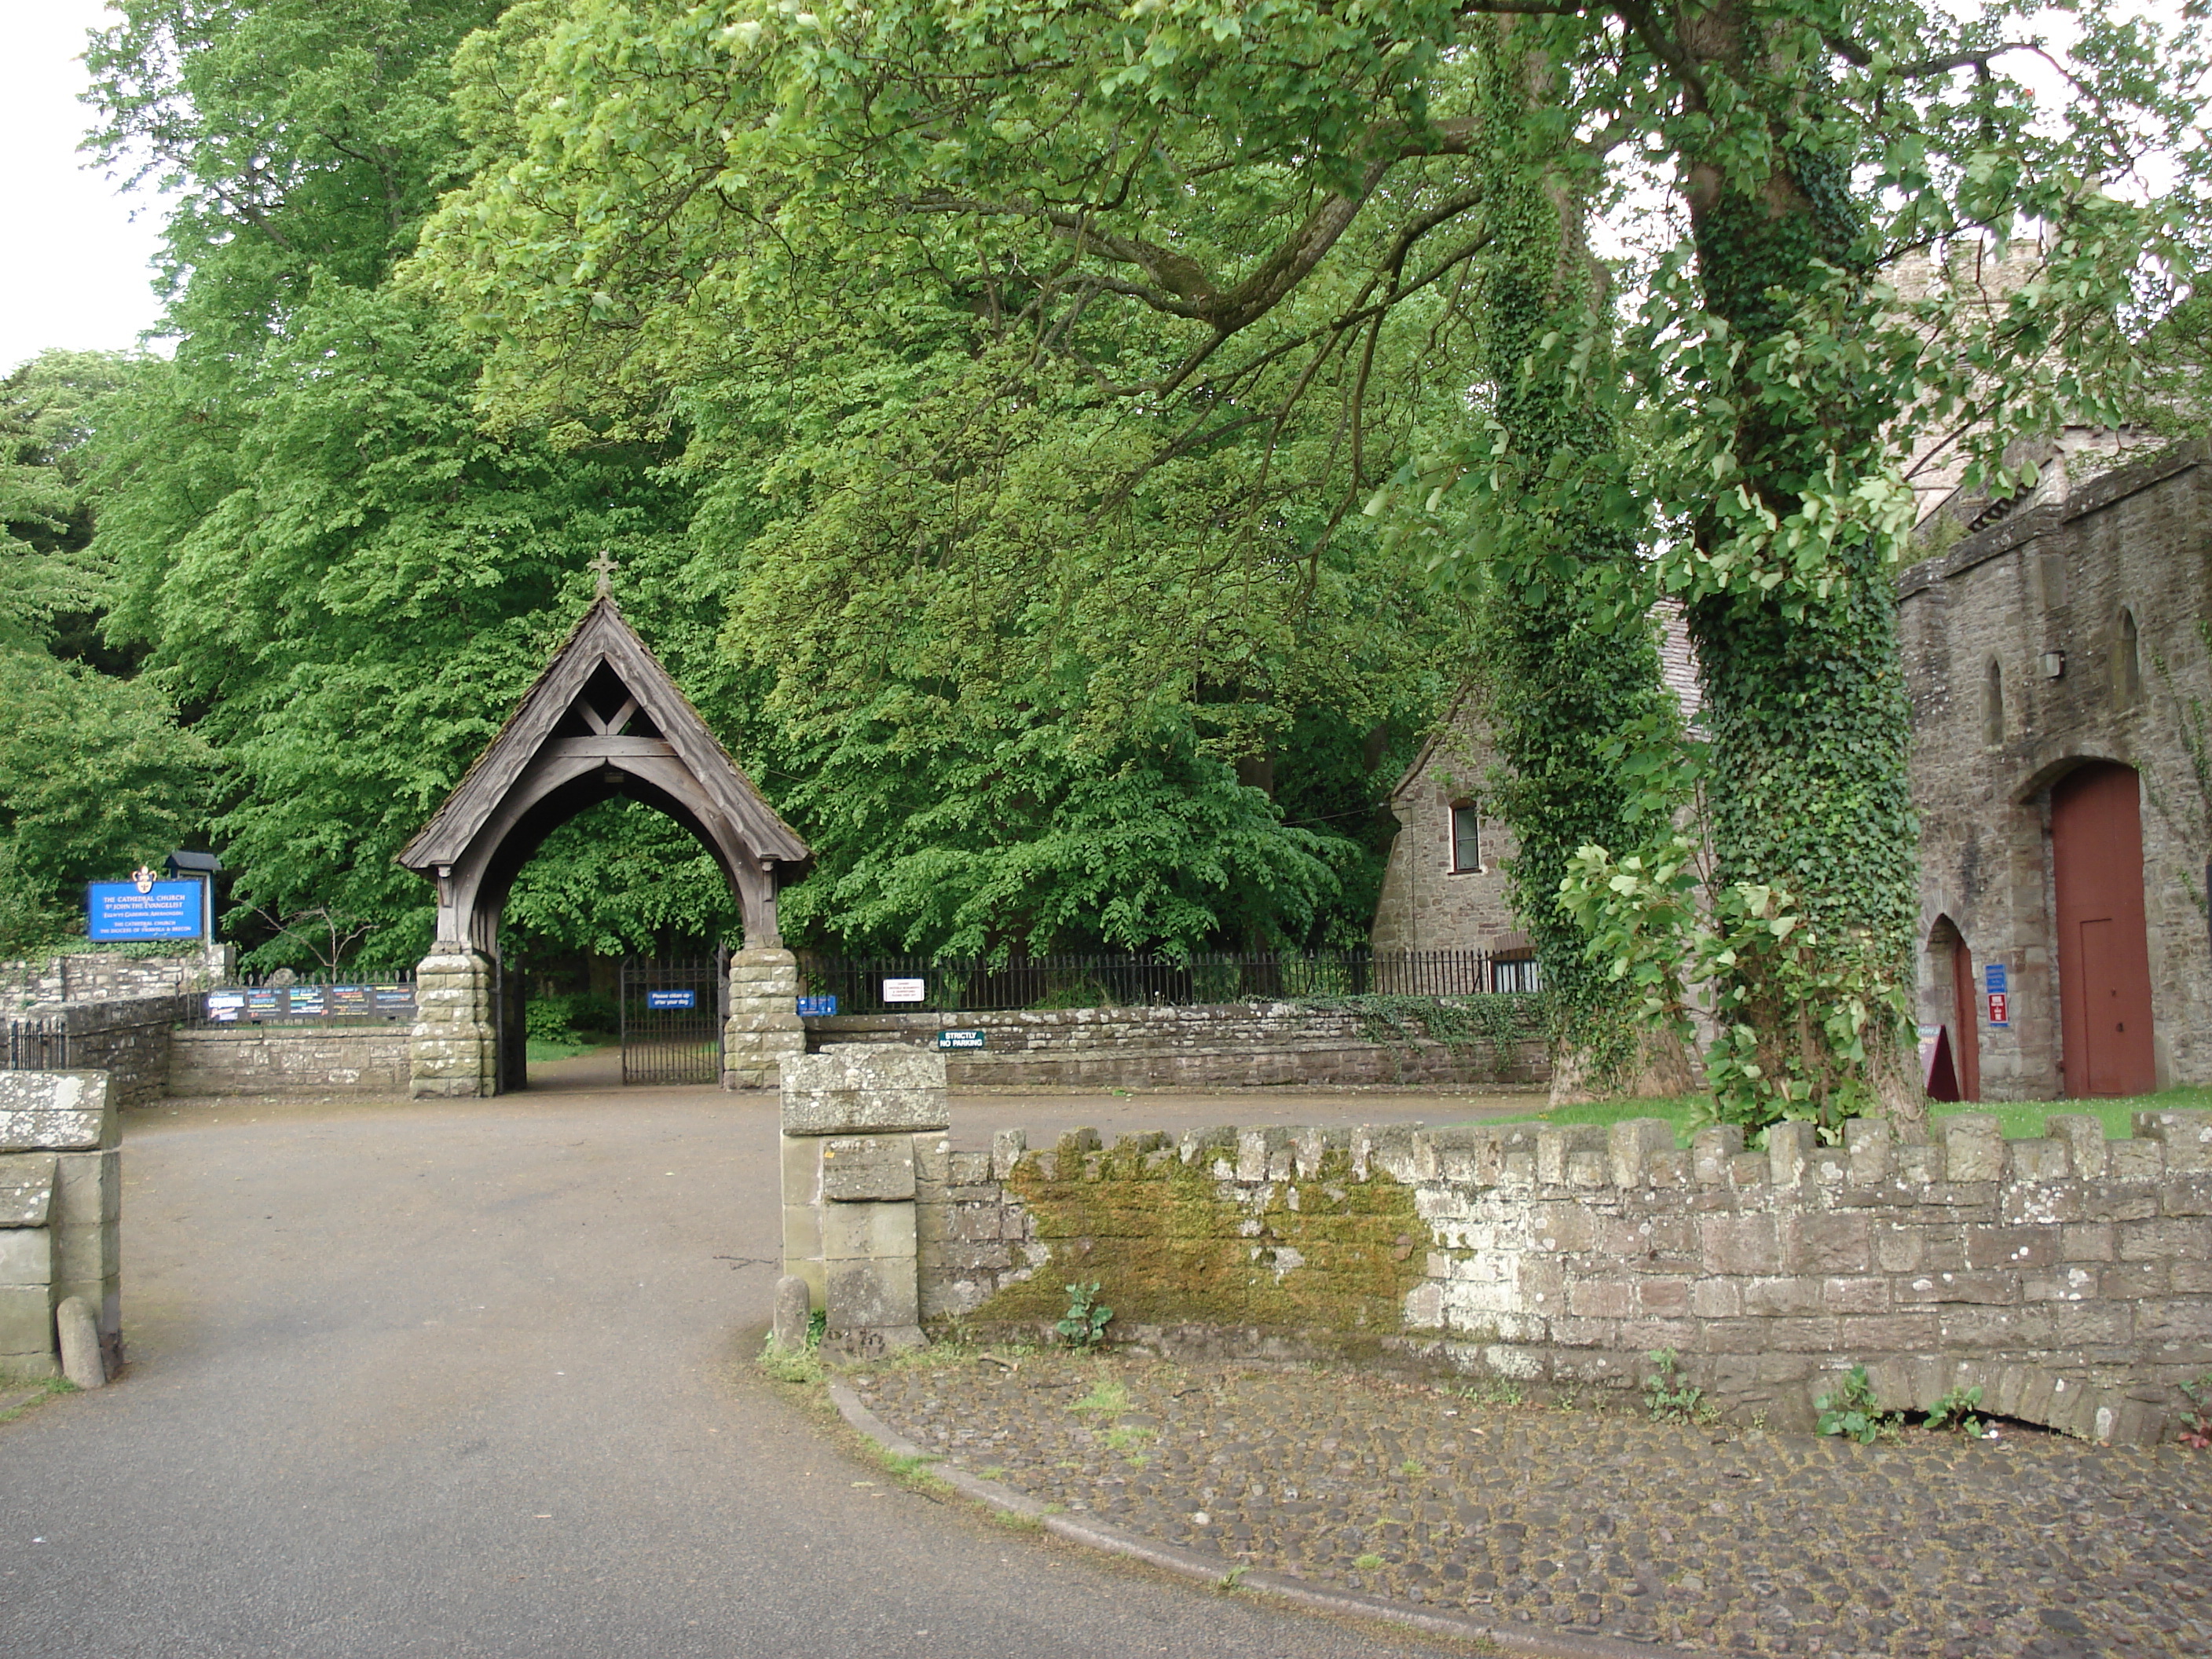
[{"x": 1997, "y": 1014}]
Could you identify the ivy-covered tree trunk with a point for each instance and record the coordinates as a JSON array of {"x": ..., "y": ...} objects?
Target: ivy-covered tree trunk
[
  {"x": 1566, "y": 633},
  {"x": 1806, "y": 804}
]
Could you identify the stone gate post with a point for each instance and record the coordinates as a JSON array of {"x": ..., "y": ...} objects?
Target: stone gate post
[
  {"x": 763, "y": 1029},
  {"x": 852, "y": 1116},
  {"x": 450, "y": 1054}
]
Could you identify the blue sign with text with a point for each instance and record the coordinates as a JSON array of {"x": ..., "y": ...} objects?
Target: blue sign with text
[
  {"x": 117, "y": 910},
  {"x": 672, "y": 999},
  {"x": 1993, "y": 978},
  {"x": 817, "y": 1007}
]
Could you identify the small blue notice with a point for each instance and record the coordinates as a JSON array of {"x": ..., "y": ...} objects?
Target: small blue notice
[
  {"x": 1993, "y": 979},
  {"x": 117, "y": 910},
  {"x": 817, "y": 1007},
  {"x": 672, "y": 999}
]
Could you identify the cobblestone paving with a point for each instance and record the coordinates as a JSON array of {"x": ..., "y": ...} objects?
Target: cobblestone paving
[{"x": 2030, "y": 1545}]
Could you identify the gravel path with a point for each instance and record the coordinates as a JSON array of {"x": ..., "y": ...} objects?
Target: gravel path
[{"x": 2029, "y": 1544}]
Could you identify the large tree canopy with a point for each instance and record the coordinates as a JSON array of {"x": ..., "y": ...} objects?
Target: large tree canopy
[
  {"x": 1220, "y": 230},
  {"x": 1158, "y": 717}
]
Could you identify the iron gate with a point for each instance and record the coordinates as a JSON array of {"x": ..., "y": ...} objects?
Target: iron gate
[{"x": 671, "y": 1019}]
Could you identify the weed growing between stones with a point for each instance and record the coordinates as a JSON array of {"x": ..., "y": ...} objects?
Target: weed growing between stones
[
  {"x": 1669, "y": 1398},
  {"x": 2196, "y": 1433},
  {"x": 1083, "y": 1324},
  {"x": 1955, "y": 1410},
  {"x": 1495, "y": 1391},
  {"x": 1108, "y": 1398},
  {"x": 1850, "y": 1410}
]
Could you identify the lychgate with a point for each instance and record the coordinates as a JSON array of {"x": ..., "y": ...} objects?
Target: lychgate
[{"x": 603, "y": 720}]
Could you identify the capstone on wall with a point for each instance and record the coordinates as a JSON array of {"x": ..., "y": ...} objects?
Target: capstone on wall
[
  {"x": 2040, "y": 594},
  {"x": 1217, "y": 1045},
  {"x": 2069, "y": 1277}
]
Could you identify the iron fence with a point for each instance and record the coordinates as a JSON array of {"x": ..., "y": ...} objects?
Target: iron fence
[
  {"x": 37, "y": 1045},
  {"x": 294, "y": 999},
  {"x": 924, "y": 984}
]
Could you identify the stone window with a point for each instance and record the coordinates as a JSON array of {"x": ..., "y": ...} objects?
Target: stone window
[
  {"x": 2127, "y": 663},
  {"x": 1993, "y": 726},
  {"x": 1466, "y": 836}
]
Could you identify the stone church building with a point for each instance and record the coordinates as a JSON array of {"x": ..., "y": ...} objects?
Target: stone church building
[{"x": 2057, "y": 657}]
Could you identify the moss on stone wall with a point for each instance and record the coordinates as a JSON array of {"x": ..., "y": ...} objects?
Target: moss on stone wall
[{"x": 1172, "y": 1243}]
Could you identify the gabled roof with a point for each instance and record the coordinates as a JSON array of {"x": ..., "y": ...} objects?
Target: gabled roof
[{"x": 601, "y": 638}]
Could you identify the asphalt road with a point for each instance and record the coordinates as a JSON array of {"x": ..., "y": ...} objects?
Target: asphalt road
[{"x": 466, "y": 1378}]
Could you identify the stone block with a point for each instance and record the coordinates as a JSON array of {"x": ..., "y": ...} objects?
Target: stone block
[
  {"x": 27, "y": 1188},
  {"x": 27, "y": 1257},
  {"x": 1629, "y": 1145},
  {"x": 1995, "y": 1287},
  {"x": 795, "y": 1308},
  {"x": 1835, "y": 1242},
  {"x": 55, "y": 1111},
  {"x": 1007, "y": 1147},
  {"x": 77, "y": 1334},
  {"x": 89, "y": 1188},
  {"x": 2084, "y": 1136},
  {"x": 2087, "y": 1241},
  {"x": 871, "y": 1293},
  {"x": 26, "y": 1323},
  {"x": 850, "y": 1232},
  {"x": 861, "y": 1088},
  {"x": 1765, "y": 1298},
  {"x": 2187, "y": 1137},
  {"x": 2134, "y": 1160},
  {"x": 2010, "y": 1247},
  {"x": 2190, "y": 1196},
  {"x": 1973, "y": 1146},
  {"x": 1740, "y": 1244},
  {"x": 1790, "y": 1149},
  {"x": 2038, "y": 1160},
  {"x": 1711, "y": 1149},
  {"x": 1868, "y": 1144},
  {"x": 1602, "y": 1299},
  {"x": 856, "y": 1168}
]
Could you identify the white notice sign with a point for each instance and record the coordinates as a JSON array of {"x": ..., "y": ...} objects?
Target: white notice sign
[{"x": 902, "y": 990}]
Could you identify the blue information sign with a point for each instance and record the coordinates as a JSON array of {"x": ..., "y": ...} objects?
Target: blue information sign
[
  {"x": 1993, "y": 978},
  {"x": 118, "y": 910},
  {"x": 672, "y": 999},
  {"x": 817, "y": 1007}
]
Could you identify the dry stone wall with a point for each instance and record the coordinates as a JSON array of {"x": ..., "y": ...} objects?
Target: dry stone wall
[
  {"x": 1241, "y": 1044},
  {"x": 126, "y": 1037},
  {"x": 2068, "y": 1277},
  {"x": 87, "y": 976}
]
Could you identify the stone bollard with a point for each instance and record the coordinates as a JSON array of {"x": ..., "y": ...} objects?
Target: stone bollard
[
  {"x": 794, "y": 1310},
  {"x": 851, "y": 1114},
  {"x": 82, "y": 1362}
]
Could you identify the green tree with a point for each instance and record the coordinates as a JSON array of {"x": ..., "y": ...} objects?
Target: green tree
[{"x": 1290, "y": 200}]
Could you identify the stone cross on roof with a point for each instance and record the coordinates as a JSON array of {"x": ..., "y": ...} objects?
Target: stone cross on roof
[{"x": 604, "y": 564}]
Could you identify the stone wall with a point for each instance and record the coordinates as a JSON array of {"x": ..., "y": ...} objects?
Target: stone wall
[
  {"x": 1231, "y": 1044},
  {"x": 2069, "y": 1277},
  {"x": 126, "y": 1037},
  {"x": 61, "y": 1211},
  {"x": 2040, "y": 591},
  {"x": 278, "y": 1059},
  {"x": 87, "y": 977}
]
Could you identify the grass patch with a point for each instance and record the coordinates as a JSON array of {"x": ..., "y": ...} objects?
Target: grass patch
[
  {"x": 544, "y": 1051},
  {"x": 1106, "y": 1397},
  {"x": 2022, "y": 1120},
  {"x": 1367, "y": 1563},
  {"x": 42, "y": 1389}
]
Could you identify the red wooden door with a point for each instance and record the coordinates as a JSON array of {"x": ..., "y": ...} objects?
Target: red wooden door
[
  {"x": 1966, "y": 1024},
  {"x": 2104, "y": 953}
]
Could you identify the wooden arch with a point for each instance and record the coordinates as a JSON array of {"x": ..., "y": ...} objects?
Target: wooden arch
[{"x": 603, "y": 720}]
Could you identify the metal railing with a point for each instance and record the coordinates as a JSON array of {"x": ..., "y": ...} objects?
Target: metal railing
[
  {"x": 297, "y": 999},
  {"x": 922, "y": 984},
  {"x": 37, "y": 1045}
]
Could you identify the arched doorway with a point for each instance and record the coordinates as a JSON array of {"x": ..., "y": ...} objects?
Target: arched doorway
[
  {"x": 1951, "y": 965},
  {"x": 2104, "y": 950},
  {"x": 603, "y": 720}
]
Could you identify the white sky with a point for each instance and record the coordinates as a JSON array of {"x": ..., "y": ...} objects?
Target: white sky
[{"x": 78, "y": 271}]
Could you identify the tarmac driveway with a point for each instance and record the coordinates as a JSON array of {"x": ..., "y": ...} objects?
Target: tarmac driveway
[{"x": 465, "y": 1378}]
